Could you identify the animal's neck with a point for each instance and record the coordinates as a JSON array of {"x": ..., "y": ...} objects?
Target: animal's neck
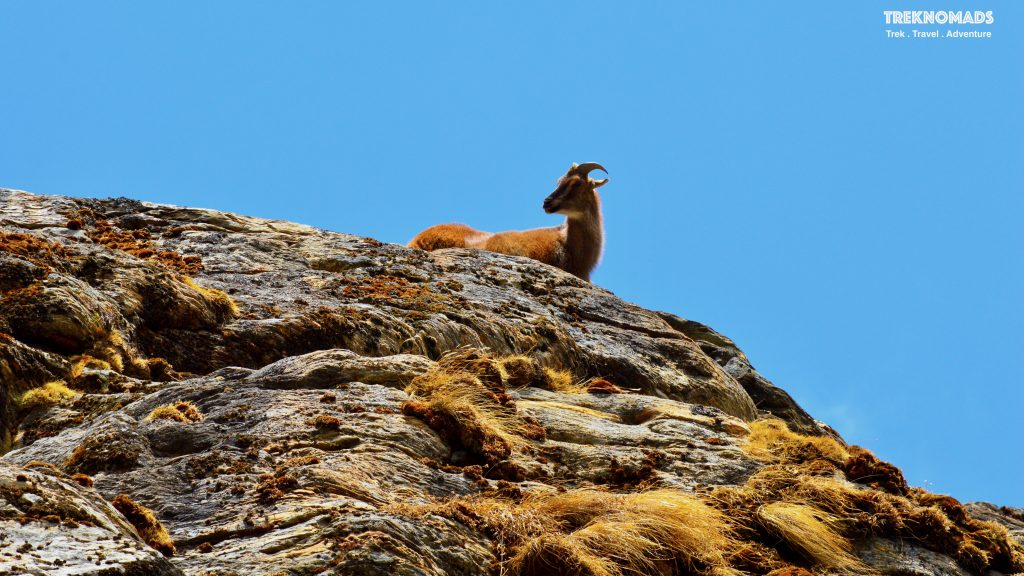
[{"x": 584, "y": 240}]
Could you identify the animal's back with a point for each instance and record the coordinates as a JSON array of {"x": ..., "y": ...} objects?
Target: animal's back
[
  {"x": 446, "y": 236},
  {"x": 542, "y": 244},
  {"x": 575, "y": 246}
]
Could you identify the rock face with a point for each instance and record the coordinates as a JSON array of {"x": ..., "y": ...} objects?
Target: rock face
[
  {"x": 308, "y": 396},
  {"x": 51, "y": 525}
]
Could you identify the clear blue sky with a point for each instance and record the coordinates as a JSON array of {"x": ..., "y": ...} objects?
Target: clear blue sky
[{"x": 848, "y": 208}]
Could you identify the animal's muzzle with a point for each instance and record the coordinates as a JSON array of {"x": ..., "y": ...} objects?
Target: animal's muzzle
[{"x": 550, "y": 206}]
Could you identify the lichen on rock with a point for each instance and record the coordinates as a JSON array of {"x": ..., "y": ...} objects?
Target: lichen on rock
[{"x": 263, "y": 397}]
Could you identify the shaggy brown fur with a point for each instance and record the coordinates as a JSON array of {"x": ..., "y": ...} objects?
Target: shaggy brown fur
[{"x": 575, "y": 246}]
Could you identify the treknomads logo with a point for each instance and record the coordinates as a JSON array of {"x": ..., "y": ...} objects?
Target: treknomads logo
[{"x": 939, "y": 22}]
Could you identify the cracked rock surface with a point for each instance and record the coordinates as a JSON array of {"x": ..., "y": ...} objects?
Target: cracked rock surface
[{"x": 297, "y": 347}]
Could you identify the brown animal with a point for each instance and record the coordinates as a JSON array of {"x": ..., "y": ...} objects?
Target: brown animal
[{"x": 575, "y": 246}]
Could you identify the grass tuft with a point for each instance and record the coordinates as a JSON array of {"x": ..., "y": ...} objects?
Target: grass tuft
[
  {"x": 464, "y": 399},
  {"x": 562, "y": 381},
  {"x": 224, "y": 306},
  {"x": 799, "y": 514},
  {"x": 817, "y": 496},
  {"x": 524, "y": 371},
  {"x": 471, "y": 417},
  {"x": 592, "y": 532},
  {"x": 182, "y": 411},
  {"x": 771, "y": 440},
  {"x": 48, "y": 394},
  {"x": 81, "y": 362},
  {"x": 149, "y": 528},
  {"x": 810, "y": 532}
]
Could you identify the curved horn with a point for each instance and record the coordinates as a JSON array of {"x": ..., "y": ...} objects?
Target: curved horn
[{"x": 585, "y": 168}]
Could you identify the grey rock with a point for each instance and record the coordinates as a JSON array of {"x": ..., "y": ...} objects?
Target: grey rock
[
  {"x": 297, "y": 345},
  {"x": 906, "y": 559},
  {"x": 50, "y": 525},
  {"x": 1011, "y": 518},
  {"x": 768, "y": 397},
  {"x": 387, "y": 301}
]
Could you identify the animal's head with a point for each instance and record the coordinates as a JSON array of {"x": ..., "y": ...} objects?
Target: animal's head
[{"x": 575, "y": 193}]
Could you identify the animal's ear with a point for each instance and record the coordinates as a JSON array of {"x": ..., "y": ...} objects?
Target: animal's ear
[{"x": 600, "y": 183}]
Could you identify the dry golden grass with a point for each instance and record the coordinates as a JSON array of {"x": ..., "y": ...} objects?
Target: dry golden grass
[
  {"x": 560, "y": 554},
  {"x": 182, "y": 411},
  {"x": 771, "y": 440},
  {"x": 810, "y": 532},
  {"x": 149, "y": 528},
  {"x": 427, "y": 384},
  {"x": 817, "y": 495},
  {"x": 154, "y": 368},
  {"x": 475, "y": 362},
  {"x": 790, "y": 571},
  {"x": 600, "y": 533},
  {"x": 522, "y": 371},
  {"x": 572, "y": 408},
  {"x": 48, "y": 394},
  {"x": 562, "y": 381},
  {"x": 591, "y": 532},
  {"x": 110, "y": 352},
  {"x": 464, "y": 399},
  {"x": 514, "y": 371},
  {"x": 802, "y": 511},
  {"x": 785, "y": 519},
  {"x": 225, "y": 306},
  {"x": 460, "y": 400},
  {"x": 116, "y": 339},
  {"x": 83, "y": 361},
  {"x": 114, "y": 358}
]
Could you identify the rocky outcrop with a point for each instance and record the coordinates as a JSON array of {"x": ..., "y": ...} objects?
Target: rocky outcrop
[
  {"x": 49, "y": 524},
  {"x": 291, "y": 400}
]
